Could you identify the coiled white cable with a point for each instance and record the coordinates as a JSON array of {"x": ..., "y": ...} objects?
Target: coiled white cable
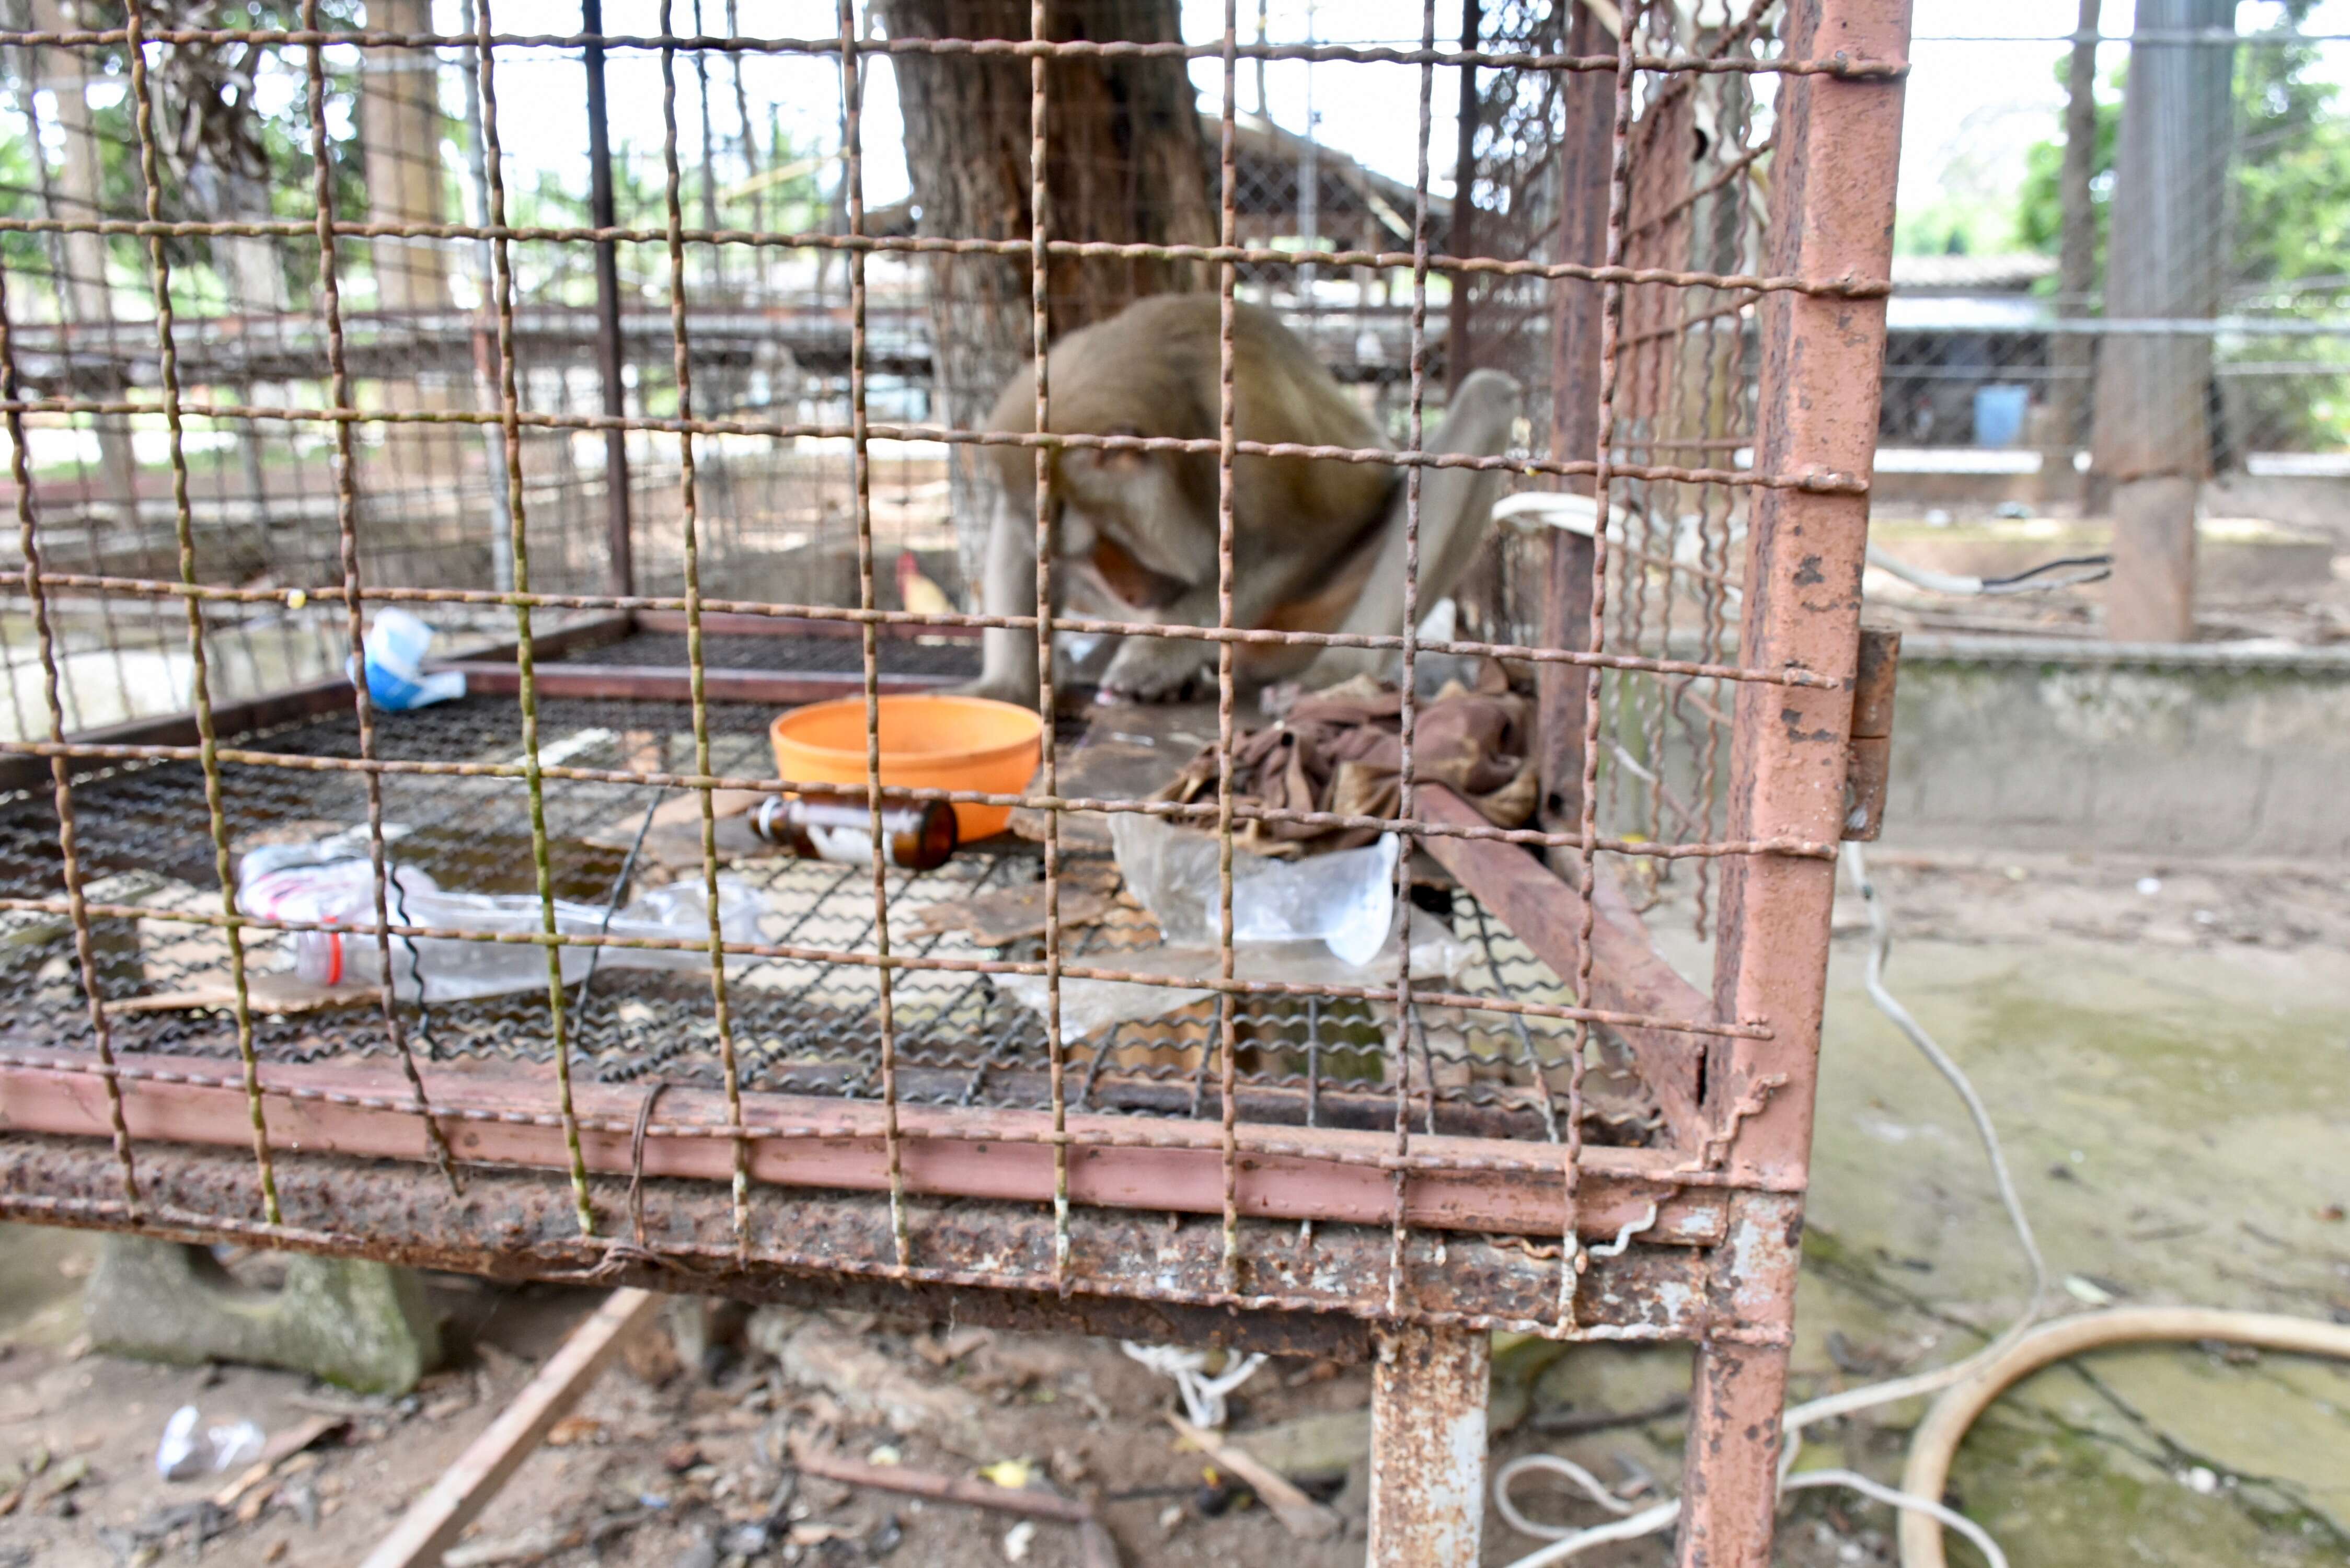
[
  {"x": 1202, "y": 1395},
  {"x": 1568, "y": 1543}
]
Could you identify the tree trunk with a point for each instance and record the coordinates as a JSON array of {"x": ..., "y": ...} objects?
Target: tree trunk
[
  {"x": 2071, "y": 354},
  {"x": 400, "y": 136},
  {"x": 412, "y": 481},
  {"x": 87, "y": 296},
  {"x": 2163, "y": 263},
  {"x": 1125, "y": 161}
]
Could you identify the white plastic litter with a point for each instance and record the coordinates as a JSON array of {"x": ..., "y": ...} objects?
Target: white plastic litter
[
  {"x": 1202, "y": 1395},
  {"x": 180, "y": 1455},
  {"x": 1091, "y": 1006},
  {"x": 238, "y": 1443},
  {"x": 396, "y": 645},
  {"x": 175, "y": 1455}
]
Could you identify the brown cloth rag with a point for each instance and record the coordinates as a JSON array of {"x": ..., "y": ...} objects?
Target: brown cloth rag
[{"x": 1341, "y": 751}]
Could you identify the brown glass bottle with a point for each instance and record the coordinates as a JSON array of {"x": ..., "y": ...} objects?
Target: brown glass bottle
[{"x": 916, "y": 835}]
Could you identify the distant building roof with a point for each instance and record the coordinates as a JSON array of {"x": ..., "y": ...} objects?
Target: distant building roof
[
  {"x": 1907, "y": 312},
  {"x": 1269, "y": 164},
  {"x": 1972, "y": 275}
]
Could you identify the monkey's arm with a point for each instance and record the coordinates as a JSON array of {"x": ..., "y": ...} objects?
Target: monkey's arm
[
  {"x": 1162, "y": 668},
  {"x": 1008, "y": 587},
  {"x": 1456, "y": 512}
]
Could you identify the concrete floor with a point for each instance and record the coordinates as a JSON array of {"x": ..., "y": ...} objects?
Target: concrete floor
[
  {"x": 2171, "y": 1079},
  {"x": 2177, "y": 1115}
]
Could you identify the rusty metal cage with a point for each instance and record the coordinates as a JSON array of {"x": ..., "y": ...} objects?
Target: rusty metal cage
[{"x": 659, "y": 525}]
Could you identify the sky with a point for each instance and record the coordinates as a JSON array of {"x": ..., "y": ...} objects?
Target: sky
[{"x": 1978, "y": 97}]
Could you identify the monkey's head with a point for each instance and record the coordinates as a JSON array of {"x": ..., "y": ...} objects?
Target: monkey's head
[{"x": 1133, "y": 518}]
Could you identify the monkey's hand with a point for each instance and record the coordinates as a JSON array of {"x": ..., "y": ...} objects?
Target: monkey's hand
[{"x": 1158, "y": 670}]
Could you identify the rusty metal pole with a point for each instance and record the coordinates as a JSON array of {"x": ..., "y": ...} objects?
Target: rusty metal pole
[
  {"x": 1823, "y": 365},
  {"x": 608, "y": 356},
  {"x": 1458, "y": 351},
  {"x": 1427, "y": 1447},
  {"x": 1588, "y": 100}
]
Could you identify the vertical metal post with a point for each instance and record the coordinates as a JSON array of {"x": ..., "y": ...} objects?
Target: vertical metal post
[
  {"x": 1309, "y": 179},
  {"x": 2072, "y": 356},
  {"x": 1457, "y": 354},
  {"x": 609, "y": 358},
  {"x": 1587, "y": 100},
  {"x": 1428, "y": 1389},
  {"x": 1822, "y": 362},
  {"x": 1563, "y": 690}
]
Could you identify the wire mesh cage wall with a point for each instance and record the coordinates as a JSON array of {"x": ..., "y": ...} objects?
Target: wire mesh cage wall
[
  {"x": 279, "y": 361},
  {"x": 2135, "y": 296},
  {"x": 2024, "y": 296}
]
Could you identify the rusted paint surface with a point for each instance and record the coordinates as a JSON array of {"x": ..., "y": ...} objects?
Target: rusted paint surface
[
  {"x": 1288, "y": 1173},
  {"x": 1867, "y": 775},
  {"x": 1868, "y": 772},
  {"x": 1831, "y": 215},
  {"x": 1428, "y": 1388},
  {"x": 1137, "y": 1275}
]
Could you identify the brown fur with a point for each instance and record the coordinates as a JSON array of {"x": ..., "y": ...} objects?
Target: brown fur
[
  {"x": 1135, "y": 534},
  {"x": 1153, "y": 370}
]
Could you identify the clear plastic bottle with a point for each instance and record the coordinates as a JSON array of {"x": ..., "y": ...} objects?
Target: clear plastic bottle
[
  {"x": 454, "y": 969},
  {"x": 324, "y": 883}
]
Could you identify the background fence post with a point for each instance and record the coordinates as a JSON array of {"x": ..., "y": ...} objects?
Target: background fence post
[{"x": 610, "y": 356}]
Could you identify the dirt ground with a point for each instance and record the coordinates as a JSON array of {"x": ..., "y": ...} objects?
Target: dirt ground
[{"x": 2166, "y": 1048}]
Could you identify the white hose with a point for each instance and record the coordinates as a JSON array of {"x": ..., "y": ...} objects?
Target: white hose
[
  {"x": 1572, "y": 1543},
  {"x": 1880, "y": 945},
  {"x": 1936, "y": 1441},
  {"x": 1908, "y": 1502}
]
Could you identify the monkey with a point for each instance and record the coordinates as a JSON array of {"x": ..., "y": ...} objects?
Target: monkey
[{"x": 1318, "y": 544}]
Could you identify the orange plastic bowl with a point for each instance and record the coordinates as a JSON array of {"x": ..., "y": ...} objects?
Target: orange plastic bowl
[{"x": 927, "y": 743}]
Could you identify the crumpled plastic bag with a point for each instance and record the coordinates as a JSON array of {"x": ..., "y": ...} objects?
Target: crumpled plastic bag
[
  {"x": 178, "y": 1454},
  {"x": 1090, "y": 1006},
  {"x": 1344, "y": 897}
]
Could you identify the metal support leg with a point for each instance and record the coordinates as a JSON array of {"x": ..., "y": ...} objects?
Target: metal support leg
[
  {"x": 1730, "y": 1486},
  {"x": 1428, "y": 1448}
]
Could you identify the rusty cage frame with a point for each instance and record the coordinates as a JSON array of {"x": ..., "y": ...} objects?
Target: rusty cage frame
[{"x": 1148, "y": 1221}]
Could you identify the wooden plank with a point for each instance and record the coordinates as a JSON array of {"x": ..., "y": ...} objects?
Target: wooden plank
[
  {"x": 278, "y": 995},
  {"x": 296, "y": 702},
  {"x": 939, "y": 1487},
  {"x": 1627, "y": 974},
  {"x": 433, "y": 1523},
  {"x": 1299, "y": 1515}
]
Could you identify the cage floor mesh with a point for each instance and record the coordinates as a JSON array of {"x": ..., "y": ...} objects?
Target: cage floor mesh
[{"x": 799, "y": 1025}]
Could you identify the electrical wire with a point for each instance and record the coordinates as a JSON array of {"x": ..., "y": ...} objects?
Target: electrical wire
[
  {"x": 612, "y": 902},
  {"x": 2091, "y": 569},
  {"x": 1568, "y": 1543},
  {"x": 1202, "y": 1395}
]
